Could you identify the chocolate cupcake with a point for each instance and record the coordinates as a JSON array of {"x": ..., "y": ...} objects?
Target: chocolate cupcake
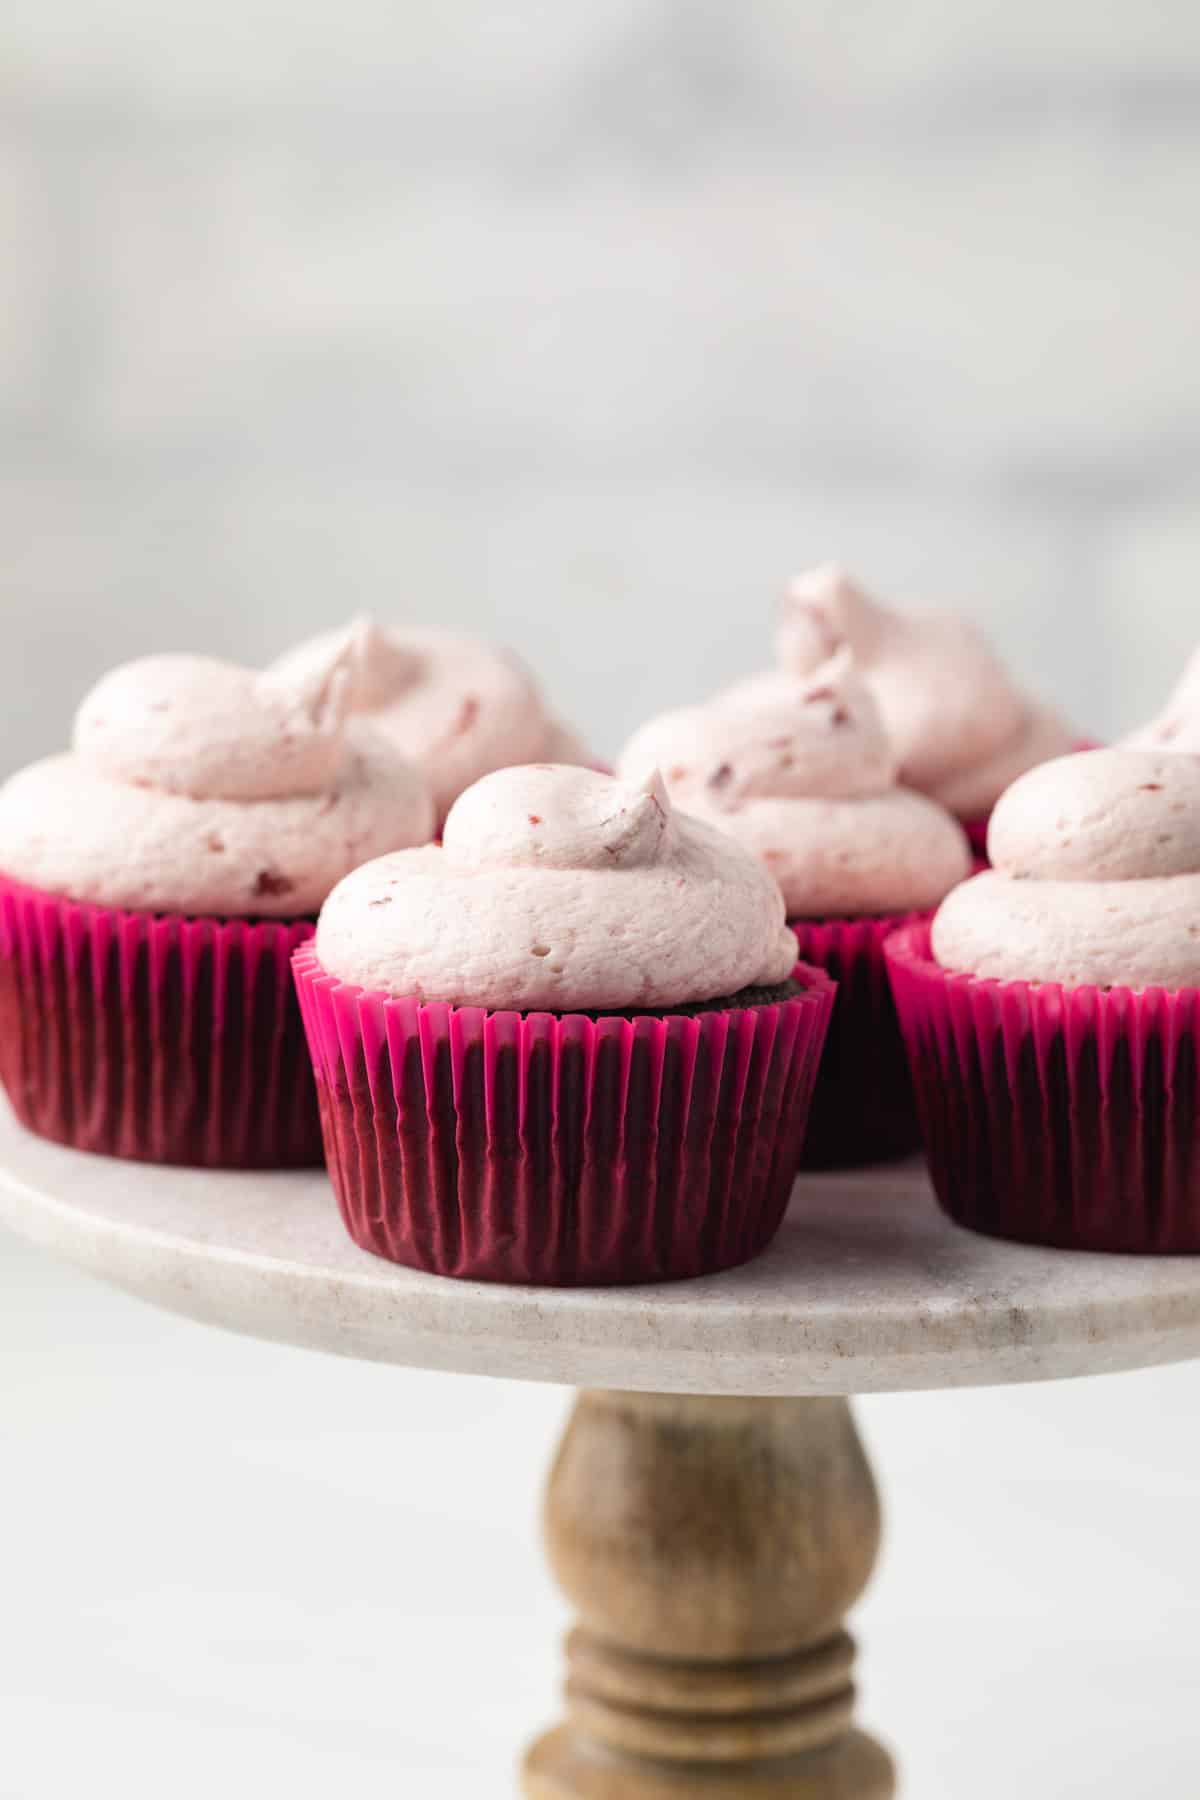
[
  {"x": 802, "y": 774},
  {"x": 571, "y": 1045},
  {"x": 154, "y": 883},
  {"x": 1052, "y": 1013}
]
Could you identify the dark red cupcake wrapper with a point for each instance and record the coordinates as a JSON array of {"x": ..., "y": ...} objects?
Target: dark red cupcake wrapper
[
  {"x": 1055, "y": 1115},
  {"x": 560, "y": 1150},
  {"x": 977, "y": 833},
  {"x": 156, "y": 1038},
  {"x": 863, "y": 1109}
]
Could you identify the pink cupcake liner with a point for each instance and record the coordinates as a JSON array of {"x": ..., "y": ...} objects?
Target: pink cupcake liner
[
  {"x": 1055, "y": 1115},
  {"x": 560, "y": 1150},
  {"x": 863, "y": 1110},
  {"x": 155, "y": 1038}
]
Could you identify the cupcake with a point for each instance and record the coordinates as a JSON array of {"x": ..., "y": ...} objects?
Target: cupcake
[
  {"x": 570, "y": 1045},
  {"x": 154, "y": 882},
  {"x": 802, "y": 774},
  {"x": 456, "y": 707},
  {"x": 961, "y": 728},
  {"x": 1052, "y": 1013}
]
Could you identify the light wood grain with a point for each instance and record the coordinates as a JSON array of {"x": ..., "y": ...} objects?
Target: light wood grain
[{"x": 711, "y": 1548}]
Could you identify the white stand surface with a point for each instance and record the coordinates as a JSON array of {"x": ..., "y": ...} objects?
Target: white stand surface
[{"x": 867, "y": 1289}]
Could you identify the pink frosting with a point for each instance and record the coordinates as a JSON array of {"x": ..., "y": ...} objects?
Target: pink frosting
[
  {"x": 1177, "y": 727},
  {"x": 1096, "y": 877},
  {"x": 801, "y": 772},
  {"x": 457, "y": 707},
  {"x": 962, "y": 730},
  {"x": 557, "y": 888},
  {"x": 195, "y": 786}
]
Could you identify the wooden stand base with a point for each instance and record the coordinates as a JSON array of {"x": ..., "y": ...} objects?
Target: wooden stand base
[{"x": 712, "y": 1549}]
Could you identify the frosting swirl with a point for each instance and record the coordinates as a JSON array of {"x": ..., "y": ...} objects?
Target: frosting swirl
[
  {"x": 1177, "y": 727},
  {"x": 802, "y": 773},
  {"x": 558, "y": 889},
  {"x": 457, "y": 707},
  {"x": 1096, "y": 877},
  {"x": 197, "y": 786},
  {"x": 962, "y": 729}
]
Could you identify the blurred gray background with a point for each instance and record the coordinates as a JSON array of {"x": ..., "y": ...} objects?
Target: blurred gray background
[
  {"x": 586, "y": 324},
  {"x": 583, "y": 326}
]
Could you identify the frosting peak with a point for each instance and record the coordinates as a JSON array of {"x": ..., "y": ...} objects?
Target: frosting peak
[
  {"x": 457, "y": 707},
  {"x": 824, "y": 610},
  {"x": 1096, "y": 877},
  {"x": 771, "y": 736},
  {"x": 196, "y": 786},
  {"x": 781, "y": 735},
  {"x": 213, "y": 731},
  {"x": 961, "y": 728},
  {"x": 560, "y": 889},
  {"x": 801, "y": 771},
  {"x": 381, "y": 666},
  {"x": 1107, "y": 815},
  {"x": 549, "y": 817},
  {"x": 1177, "y": 727}
]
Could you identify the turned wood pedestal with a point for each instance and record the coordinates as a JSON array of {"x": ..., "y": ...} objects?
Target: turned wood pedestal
[
  {"x": 712, "y": 1549},
  {"x": 711, "y": 1515}
]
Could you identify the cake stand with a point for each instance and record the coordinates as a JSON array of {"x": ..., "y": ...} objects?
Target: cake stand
[{"x": 711, "y": 1513}]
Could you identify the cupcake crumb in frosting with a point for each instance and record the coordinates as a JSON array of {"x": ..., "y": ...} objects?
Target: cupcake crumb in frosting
[
  {"x": 962, "y": 729},
  {"x": 457, "y": 707},
  {"x": 196, "y": 786},
  {"x": 557, "y": 888},
  {"x": 802, "y": 773},
  {"x": 1096, "y": 877}
]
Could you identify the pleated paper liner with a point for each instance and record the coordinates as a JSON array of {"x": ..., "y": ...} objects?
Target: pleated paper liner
[
  {"x": 561, "y": 1150},
  {"x": 1055, "y": 1115},
  {"x": 157, "y": 1038},
  {"x": 863, "y": 1109}
]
